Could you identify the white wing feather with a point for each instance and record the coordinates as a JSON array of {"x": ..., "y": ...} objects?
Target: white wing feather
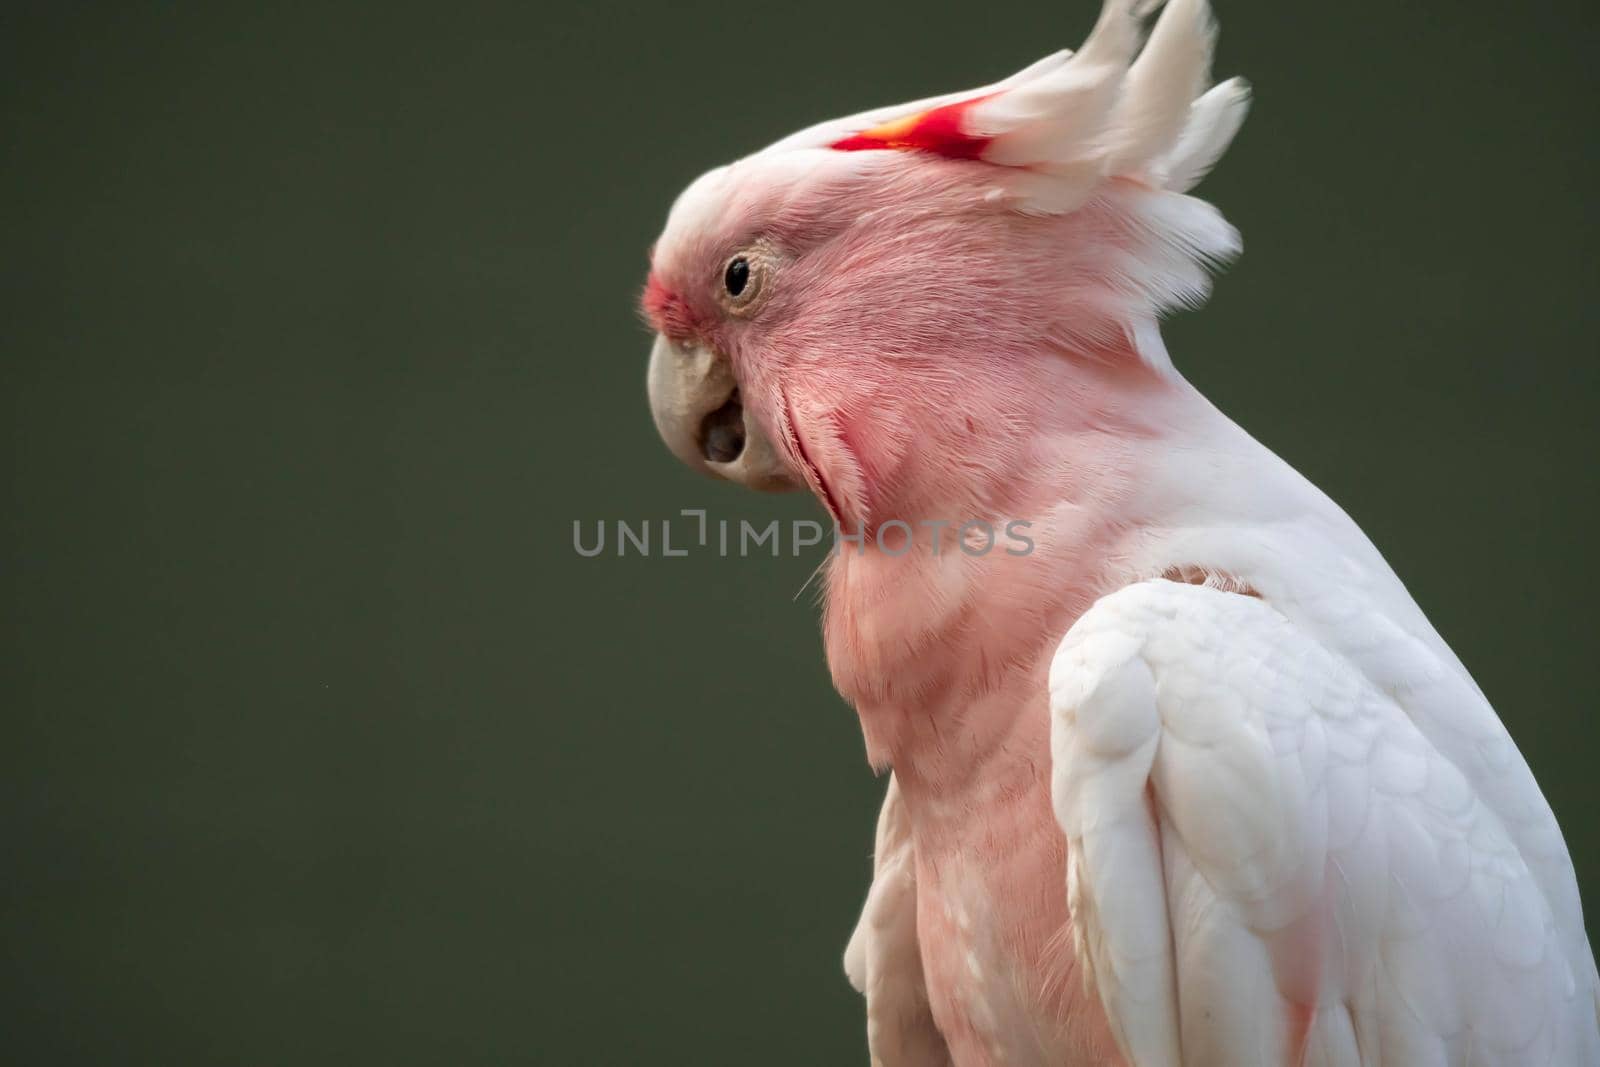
[{"x": 1270, "y": 862}]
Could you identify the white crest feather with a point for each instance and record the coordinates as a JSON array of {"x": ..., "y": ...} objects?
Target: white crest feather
[
  {"x": 1115, "y": 110},
  {"x": 1213, "y": 120},
  {"x": 1064, "y": 124},
  {"x": 1126, "y": 124},
  {"x": 1171, "y": 71}
]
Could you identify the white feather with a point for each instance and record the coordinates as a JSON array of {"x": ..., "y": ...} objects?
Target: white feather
[
  {"x": 1213, "y": 121},
  {"x": 1284, "y": 861},
  {"x": 1169, "y": 74},
  {"x": 1062, "y": 125}
]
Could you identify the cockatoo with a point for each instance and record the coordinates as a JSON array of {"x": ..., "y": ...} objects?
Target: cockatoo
[{"x": 1193, "y": 781}]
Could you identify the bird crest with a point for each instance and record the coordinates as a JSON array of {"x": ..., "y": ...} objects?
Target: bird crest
[{"x": 1122, "y": 106}]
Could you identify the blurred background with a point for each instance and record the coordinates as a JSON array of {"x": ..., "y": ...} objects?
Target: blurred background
[{"x": 321, "y": 743}]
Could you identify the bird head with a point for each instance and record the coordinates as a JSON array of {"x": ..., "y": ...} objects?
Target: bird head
[{"x": 877, "y": 307}]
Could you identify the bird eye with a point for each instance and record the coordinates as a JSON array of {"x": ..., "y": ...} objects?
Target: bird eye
[
  {"x": 737, "y": 276},
  {"x": 745, "y": 278}
]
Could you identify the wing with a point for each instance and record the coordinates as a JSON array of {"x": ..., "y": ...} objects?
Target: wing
[
  {"x": 1269, "y": 863},
  {"x": 883, "y": 958}
]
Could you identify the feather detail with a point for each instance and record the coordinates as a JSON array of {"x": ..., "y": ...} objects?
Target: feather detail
[
  {"x": 1213, "y": 121},
  {"x": 1113, "y": 131},
  {"x": 1058, "y": 128},
  {"x": 942, "y": 130},
  {"x": 1169, "y": 74}
]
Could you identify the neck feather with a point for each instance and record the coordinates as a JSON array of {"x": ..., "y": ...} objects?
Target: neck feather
[{"x": 939, "y": 642}]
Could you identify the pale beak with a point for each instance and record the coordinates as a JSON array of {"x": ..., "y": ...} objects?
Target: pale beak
[{"x": 695, "y": 401}]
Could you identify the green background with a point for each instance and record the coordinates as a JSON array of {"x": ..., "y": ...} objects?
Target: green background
[{"x": 322, "y": 745}]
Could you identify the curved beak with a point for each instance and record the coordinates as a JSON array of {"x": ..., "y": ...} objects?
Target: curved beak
[{"x": 694, "y": 399}]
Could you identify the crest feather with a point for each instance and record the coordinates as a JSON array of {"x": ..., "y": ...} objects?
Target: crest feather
[
  {"x": 1111, "y": 136},
  {"x": 1058, "y": 128}
]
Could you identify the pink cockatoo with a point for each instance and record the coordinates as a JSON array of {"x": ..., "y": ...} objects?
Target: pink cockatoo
[{"x": 1191, "y": 781}]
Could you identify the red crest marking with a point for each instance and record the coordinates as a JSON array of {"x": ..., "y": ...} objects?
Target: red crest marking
[{"x": 938, "y": 130}]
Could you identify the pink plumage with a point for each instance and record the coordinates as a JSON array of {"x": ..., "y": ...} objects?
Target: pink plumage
[{"x": 1193, "y": 780}]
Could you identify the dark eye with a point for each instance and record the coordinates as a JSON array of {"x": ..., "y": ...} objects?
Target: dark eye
[
  {"x": 745, "y": 280},
  {"x": 737, "y": 276}
]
